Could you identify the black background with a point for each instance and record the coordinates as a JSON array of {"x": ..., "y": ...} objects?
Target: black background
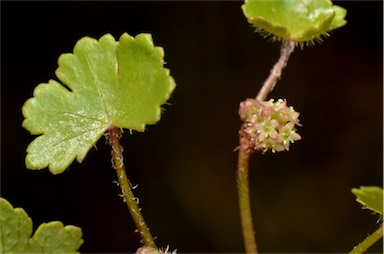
[{"x": 185, "y": 164}]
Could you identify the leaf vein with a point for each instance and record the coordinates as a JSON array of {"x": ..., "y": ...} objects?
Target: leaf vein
[{"x": 96, "y": 82}]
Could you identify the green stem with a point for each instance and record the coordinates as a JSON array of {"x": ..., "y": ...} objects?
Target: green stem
[
  {"x": 127, "y": 193},
  {"x": 368, "y": 242},
  {"x": 243, "y": 195}
]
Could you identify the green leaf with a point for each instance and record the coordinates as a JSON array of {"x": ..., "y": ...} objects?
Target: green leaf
[
  {"x": 302, "y": 21},
  {"x": 108, "y": 84},
  {"x": 52, "y": 237},
  {"x": 370, "y": 197}
]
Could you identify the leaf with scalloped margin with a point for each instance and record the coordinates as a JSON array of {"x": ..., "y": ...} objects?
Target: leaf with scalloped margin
[
  {"x": 108, "y": 84},
  {"x": 52, "y": 237},
  {"x": 301, "y": 21},
  {"x": 371, "y": 197}
]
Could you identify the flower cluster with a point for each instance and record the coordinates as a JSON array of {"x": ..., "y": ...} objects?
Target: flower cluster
[{"x": 269, "y": 125}]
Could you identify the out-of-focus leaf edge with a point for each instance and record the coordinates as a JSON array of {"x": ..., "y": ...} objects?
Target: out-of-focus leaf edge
[
  {"x": 370, "y": 197},
  {"x": 37, "y": 241}
]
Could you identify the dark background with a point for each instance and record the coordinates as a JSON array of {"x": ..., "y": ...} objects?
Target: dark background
[{"x": 185, "y": 165}]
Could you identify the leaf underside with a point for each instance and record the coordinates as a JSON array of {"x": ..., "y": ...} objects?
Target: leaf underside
[
  {"x": 52, "y": 237},
  {"x": 301, "y": 21},
  {"x": 371, "y": 197},
  {"x": 104, "y": 84}
]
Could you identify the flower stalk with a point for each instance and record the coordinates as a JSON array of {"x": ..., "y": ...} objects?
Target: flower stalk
[{"x": 243, "y": 194}]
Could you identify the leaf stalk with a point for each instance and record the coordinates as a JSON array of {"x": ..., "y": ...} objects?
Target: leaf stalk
[
  {"x": 286, "y": 50},
  {"x": 127, "y": 193}
]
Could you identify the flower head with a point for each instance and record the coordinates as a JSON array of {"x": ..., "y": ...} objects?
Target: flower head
[{"x": 269, "y": 125}]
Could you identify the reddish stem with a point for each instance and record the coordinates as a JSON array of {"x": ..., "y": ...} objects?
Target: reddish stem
[
  {"x": 275, "y": 75},
  {"x": 243, "y": 194}
]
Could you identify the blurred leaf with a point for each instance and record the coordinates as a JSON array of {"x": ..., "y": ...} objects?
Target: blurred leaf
[
  {"x": 370, "y": 197},
  {"x": 52, "y": 237},
  {"x": 109, "y": 84}
]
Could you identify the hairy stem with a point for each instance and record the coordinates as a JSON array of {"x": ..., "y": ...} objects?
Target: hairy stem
[
  {"x": 275, "y": 75},
  {"x": 243, "y": 195},
  {"x": 245, "y": 152},
  {"x": 127, "y": 193},
  {"x": 368, "y": 242}
]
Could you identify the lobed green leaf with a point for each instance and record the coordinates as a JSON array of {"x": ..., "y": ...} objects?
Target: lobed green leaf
[
  {"x": 104, "y": 84},
  {"x": 52, "y": 237},
  {"x": 302, "y": 21}
]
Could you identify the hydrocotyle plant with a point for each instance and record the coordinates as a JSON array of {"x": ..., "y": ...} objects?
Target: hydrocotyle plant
[
  {"x": 270, "y": 125},
  {"x": 106, "y": 85}
]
